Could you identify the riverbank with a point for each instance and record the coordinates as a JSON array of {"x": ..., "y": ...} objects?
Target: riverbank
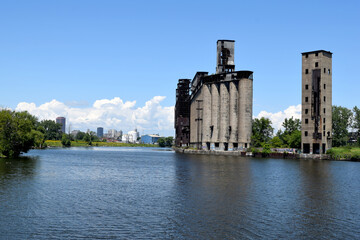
[
  {"x": 344, "y": 153},
  {"x": 338, "y": 154},
  {"x": 57, "y": 143}
]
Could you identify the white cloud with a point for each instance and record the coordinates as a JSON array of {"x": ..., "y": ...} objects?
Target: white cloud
[
  {"x": 109, "y": 114},
  {"x": 278, "y": 118}
]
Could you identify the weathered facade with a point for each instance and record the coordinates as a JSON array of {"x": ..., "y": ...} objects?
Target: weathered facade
[
  {"x": 221, "y": 105},
  {"x": 316, "y": 124},
  {"x": 182, "y": 113}
]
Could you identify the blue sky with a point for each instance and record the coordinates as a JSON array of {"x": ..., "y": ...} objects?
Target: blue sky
[{"x": 78, "y": 52}]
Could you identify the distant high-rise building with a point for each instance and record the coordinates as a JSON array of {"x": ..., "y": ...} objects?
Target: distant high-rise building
[
  {"x": 316, "y": 120},
  {"x": 100, "y": 132},
  {"x": 62, "y": 122}
]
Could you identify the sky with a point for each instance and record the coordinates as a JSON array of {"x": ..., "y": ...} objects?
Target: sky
[{"x": 115, "y": 64}]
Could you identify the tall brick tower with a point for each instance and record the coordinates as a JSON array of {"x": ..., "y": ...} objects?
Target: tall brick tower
[{"x": 316, "y": 120}]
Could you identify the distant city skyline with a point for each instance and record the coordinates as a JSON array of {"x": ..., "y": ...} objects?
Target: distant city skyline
[{"x": 114, "y": 64}]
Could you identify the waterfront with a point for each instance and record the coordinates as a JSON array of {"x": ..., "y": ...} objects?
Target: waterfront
[{"x": 131, "y": 193}]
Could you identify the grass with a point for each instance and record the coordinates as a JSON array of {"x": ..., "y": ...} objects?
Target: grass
[
  {"x": 57, "y": 143},
  {"x": 344, "y": 153}
]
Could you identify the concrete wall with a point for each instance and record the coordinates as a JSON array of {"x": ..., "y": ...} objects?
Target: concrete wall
[
  {"x": 324, "y": 61},
  {"x": 195, "y": 118}
]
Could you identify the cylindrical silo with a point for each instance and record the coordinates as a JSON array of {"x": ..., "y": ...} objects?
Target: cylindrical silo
[
  {"x": 245, "y": 111},
  {"x": 215, "y": 107},
  {"x": 234, "y": 112},
  {"x": 224, "y": 114},
  {"x": 206, "y": 115}
]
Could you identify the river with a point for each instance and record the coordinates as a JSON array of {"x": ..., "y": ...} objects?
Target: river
[{"x": 147, "y": 193}]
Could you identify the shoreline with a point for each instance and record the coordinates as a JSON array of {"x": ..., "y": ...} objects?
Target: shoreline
[{"x": 276, "y": 155}]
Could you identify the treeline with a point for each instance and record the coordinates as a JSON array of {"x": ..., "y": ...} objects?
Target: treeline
[
  {"x": 88, "y": 137},
  {"x": 21, "y": 131},
  {"x": 343, "y": 119},
  {"x": 263, "y": 134},
  {"x": 165, "y": 141}
]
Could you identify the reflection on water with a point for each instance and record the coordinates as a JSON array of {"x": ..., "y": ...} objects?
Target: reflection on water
[
  {"x": 19, "y": 167},
  {"x": 135, "y": 193}
]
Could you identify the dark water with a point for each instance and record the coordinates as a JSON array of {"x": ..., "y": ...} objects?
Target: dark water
[{"x": 132, "y": 193}]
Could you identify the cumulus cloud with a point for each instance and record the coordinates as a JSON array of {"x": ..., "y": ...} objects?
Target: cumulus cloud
[
  {"x": 109, "y": 114},
  {"x": 278, "y": 118}
]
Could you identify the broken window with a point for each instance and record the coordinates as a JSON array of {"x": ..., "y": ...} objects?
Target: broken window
[
  {"x": 316, "y": 54},
  {"x": 329, "y": 71},
  {"x": 316, "y": 64},
  {"x": 306, "y": 71},
  {"x": 306, "y": 111},
  {"x": 306, "y": 121},
  {"x": 306, "y": 87},
  {"x": 306, "y": 133},
  {"x": 306, "y": 55},
  {"x": 306, "y": 99}
]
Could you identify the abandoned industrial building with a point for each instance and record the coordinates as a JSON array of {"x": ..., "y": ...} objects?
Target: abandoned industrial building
[
  {"x": 316, "y": 124},
  {"x": 214, "y": 112}
]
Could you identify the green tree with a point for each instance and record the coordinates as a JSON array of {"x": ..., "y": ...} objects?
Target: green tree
[
  {"x": 80, "y": 136},
  {"x": 50, "y": 129},
  {"x": 341, "y": 121},
  {"x": 261, "y": 131},
  {"x": 294, "y": 139},
  {"x": 39, "y": 139},
  {"x": 161, "y": 142},
  {"x": 17, "y": 132},
  {"x": 291, "y": 136},
  {"x": 66, "y": 140},
  {"x": 356, "y": 121},
  {"x": 276, "y": 142},
  {"x": 169, "y": 141},
  {"x": 290, "y": 125},
  {"x": 90, "y": 137}
]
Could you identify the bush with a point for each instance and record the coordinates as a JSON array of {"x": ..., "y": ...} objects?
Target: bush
[
  {"x": 266, "y": 150},
  {"x": 66, "y": 140}
]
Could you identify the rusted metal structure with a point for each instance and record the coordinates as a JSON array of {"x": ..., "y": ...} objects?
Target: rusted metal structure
[{"x": 182, "y": 113}]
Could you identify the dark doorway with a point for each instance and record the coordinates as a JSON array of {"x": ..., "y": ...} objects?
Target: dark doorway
[
  {"x": 323, "y": 148},
  {"x": 226, "y": 146},
  {"x": 235, "y": 146},
  {"x": 316, "y": 148},
  {"x": 207, "y": 146},
  {"x": 306, "y": 148}
]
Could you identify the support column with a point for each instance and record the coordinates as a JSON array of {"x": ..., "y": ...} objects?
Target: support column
[
  {"x": 224, "y": 115},
  {"x": 245, "y": 112},
  {"x": 215, "y": 98},
  {"x": 206, "y": 116},
  {"x": 234, "y": 114}
]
